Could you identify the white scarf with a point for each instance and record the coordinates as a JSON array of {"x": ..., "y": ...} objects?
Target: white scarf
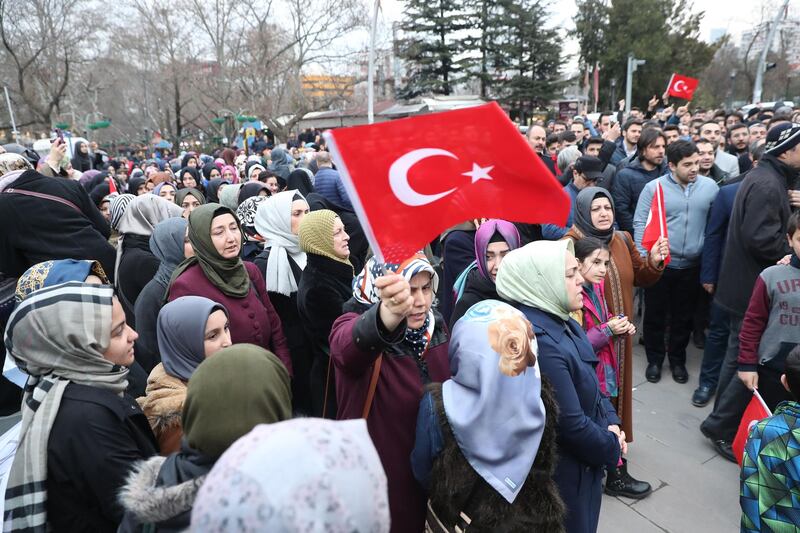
[{"x": 274, "y": 223}]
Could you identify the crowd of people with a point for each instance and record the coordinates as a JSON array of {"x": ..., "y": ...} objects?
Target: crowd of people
[{"x": 206, "y": 342}]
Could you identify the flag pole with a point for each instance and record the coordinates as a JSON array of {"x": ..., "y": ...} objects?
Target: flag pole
[
  {"x": 662, "y": 214},
  {"x": 669, "y": 83},
  {"x": 371, "y": 64}
]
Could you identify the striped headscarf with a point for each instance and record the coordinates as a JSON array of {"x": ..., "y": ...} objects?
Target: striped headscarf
[
  {"x": 57, "y": 335},
  {"x": 117, "y": 208}
]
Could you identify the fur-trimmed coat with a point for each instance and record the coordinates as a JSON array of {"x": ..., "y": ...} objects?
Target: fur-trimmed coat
[
  {"x": 455, "y": 487},
  {"x": 163, "y": 406}
]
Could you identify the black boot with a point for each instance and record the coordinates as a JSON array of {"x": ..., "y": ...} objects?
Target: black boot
[{"x": 620, "y": 483}]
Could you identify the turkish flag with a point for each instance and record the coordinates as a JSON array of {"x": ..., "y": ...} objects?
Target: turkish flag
[
  {"x": 656, "y": 226},
  {"x": 682, "y": 86},
  {"x": 112, "y": 186},
  {"x": 411, "y": 179},
  {"x": 756, "y": 411}
]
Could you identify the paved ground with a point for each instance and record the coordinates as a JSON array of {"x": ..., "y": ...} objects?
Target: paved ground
[{"x": 695, "y": 490}]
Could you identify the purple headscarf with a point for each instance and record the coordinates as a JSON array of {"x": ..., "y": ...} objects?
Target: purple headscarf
[{"x": 484, "y": 236}]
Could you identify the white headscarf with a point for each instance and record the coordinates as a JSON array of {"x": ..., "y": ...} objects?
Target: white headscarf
[{"x": 274, "y": 223}]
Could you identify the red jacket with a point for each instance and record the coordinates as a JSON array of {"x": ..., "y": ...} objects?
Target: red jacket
[
  {"x": 253, "y": 319},
  {"x": 356, "y": 343}
]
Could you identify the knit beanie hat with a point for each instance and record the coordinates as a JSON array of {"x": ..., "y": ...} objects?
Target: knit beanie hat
[
  {"x": 782, "y": 138},
  {"x": 316, "y": 234}
]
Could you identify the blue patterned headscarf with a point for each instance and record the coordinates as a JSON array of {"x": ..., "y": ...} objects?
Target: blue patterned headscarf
[
  {"x": 49, "y": 273},
  {"x": 493, "y": 401}
]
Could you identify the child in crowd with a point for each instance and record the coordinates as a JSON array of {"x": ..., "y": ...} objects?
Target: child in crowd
[
  {"x": 770, "y": 481},
  {"x": 770, "y": 327},
  {"x": 593, "y": 257}
]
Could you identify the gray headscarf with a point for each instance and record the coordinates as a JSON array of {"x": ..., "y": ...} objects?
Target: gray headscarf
[
  {"x": 181, "y": 329},
  {"x": 281, "y": 163},
  {"x": 583, "y": 213},
  {"x": 274, "y": 223},
  {"x": 57, "y": 336},
  {"x": 166, "y": 243},
  {"x": 493, "y": 401}
]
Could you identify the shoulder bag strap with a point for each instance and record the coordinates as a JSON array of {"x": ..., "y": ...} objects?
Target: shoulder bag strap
[
  {"x": 373, "y": 384},
  {"x": 44, "y": 196}
]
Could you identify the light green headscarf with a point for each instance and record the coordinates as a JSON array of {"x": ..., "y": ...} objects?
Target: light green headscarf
[{"x": 534, "y": 275}]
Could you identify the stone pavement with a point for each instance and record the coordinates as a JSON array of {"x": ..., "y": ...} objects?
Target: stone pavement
[{"x": 694, "y": 489}]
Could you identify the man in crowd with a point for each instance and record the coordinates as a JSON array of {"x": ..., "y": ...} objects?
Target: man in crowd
[
  {"x": 593, "y": 147},
  {"x": 604, "y": 122},
  {"x": 627, "y": 145},
  {"x": 739, "y": 145},
  {"x": 328, "y": 182},
  {"x": 712, "y": 131},
  {"x": 673, "y": 133},
  {"x": 708, "y": 166},
  {"x": 670, "y": 303},
  {"x": 756, "y": 239},
  {"x": 536, "y": 138},
  {"x": 757, "y": 131},
  {"x": 630, "y": 181}
]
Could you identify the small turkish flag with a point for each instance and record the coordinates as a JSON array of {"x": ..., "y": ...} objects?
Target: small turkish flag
[
  {"x": 682, "y": 86},
  {"x": 656, "y": 226},
  {"x": 411, "y": 179},
  {"x": 756, "y": 411},
  {"x": 112, "y": 186}
]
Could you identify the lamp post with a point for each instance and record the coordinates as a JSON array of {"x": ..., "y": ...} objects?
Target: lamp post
[
  {"x": 633, "y": 65},
  {"x": 613, "y": 93},
  {"x": 758, "y": 86}
]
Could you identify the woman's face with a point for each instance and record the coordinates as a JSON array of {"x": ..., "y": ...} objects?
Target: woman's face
[
  {"x": 226, "y": 236},
  {"x": 227, "y": 175},
  {"x": 272, "y": 184},
  {"x": 422, "y": 292},
  {"x": 192, "y": 163},
  {"x": 218, "y": 333},
  {"x": 254, "y": 174},
  {"x": 340, "y": 240},
  {"x": 299, "y": 211},
  {"x": 168, "y": 193},
  {"x": 188, "y": 251},
  {"x": 189, "y": 182},
  {"x": 149, "y": 186},
  {"x": 574, "y": 283},
  {"x": 495, "y": 253},
  {"x": 214, "y": 173},
  {"x": 594, "y": 267},
  {"x": 602, "y": 214},
  {"x": 120, "y": 347},
  {"x": 189, "y": 204},
  {"x": 105, "y": 209},
  {"x": 84, "y": 148}
]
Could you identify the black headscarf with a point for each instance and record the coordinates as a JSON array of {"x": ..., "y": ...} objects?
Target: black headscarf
[
  {"x": 187, "y": 157},
  {"x": 134, "y": 183},
  {"x": 583, "y": 213},
  {"x": 81, "y": 162},
  {"x": 299, "y": 180},
  {"x": 213, "y": 190},
  {"x": 207, "y": 168},
  {"x": 98, "y": 193},
  {"x": 95, "y": 181},
  {"x": 250, "y": 189},
  {"x": 194, "y": 173}
]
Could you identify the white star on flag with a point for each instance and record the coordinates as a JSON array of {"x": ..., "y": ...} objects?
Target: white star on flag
[{"x": 479, "y": 173}]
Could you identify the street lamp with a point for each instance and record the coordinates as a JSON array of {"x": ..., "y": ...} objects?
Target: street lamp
[{"x": 633, "y": 65}]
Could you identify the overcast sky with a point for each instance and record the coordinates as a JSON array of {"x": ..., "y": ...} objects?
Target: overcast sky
[{"x": 734, "y": 16}]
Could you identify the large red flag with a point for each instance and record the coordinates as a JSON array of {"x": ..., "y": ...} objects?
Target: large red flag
[
  {"x": 756, "y": 411},
  {"x": 411, "y": 179},
  {"x": 682, "y": 86},
  {"x": 656, "y": 226}
]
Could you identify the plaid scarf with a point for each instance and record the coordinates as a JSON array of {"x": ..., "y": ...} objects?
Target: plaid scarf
[{"x": 63, "y": 331}]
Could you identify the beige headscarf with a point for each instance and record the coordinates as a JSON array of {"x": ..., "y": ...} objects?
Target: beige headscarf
[
  {"x": 534, "y": 275},
  {"x": 316, "y": 234}
]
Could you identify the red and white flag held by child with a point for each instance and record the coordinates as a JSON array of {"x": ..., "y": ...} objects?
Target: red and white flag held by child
[
  {"x": 411, "y": 179},
  {"x": 682, "y": 86},
  {"x": 756, "y": 411},
  {"x": 656, "y": 226}
]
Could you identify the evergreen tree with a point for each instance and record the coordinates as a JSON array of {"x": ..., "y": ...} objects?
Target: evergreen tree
[
  {"x": 429, "y": 46},
  {"x": 591, "y": 22}
]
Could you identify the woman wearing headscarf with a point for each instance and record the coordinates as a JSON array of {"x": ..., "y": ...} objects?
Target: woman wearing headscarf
[
  {"x": 359, "y": 246},
  {"x": 189, "y": 200},
  {"x": 300, "y": 180},
  {"x": 119, "y": 204},
  {"x": 136, "y": 185},
  {"x": 387, "y": 346},
  {"x": 253, "y": 171},
  {"x": 229, "y": 196},
  {"x": 281, "y": 163},
  {"x": 254, "y": 242},
  {"x": 544, "y": 280},
  {"x": 189, "y": 178},
  {"x": 594, "y": 217},
  {"x": 242, "y": 379},
  {"x": 137, "y": 264},
  {"x": 80, "y": 434},
  {"x": 251, "y": 189},
  {"x": 45, "y": 218},
  {"x": 217, "y": 272},
  {"x": 213, "y": 189},
  {"x": 165, "y": 190},
  {"x": 169, "y": 244},
  {"x": 81, "y": 161},
  {"x": 190, "y": 329},
  {"x": 323, "y": 289},
  {"x": 211, "y": 171},
  {"x": 229, "y": 173},
  {"x": 278, "y": 221},
  {"x": 486, "y": 438},
  {"x": 493, "y": 240},
  {"x": 255, "y": 485}
]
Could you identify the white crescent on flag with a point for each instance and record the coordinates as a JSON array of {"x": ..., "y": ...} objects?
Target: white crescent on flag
[{"x": 679, "y": 86}]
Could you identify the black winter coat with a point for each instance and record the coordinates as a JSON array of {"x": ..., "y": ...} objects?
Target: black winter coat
[
  {"x": 96, "y": 438},
  {"x": 137, "y": 267},
  {"x": 756, "y": 232},
  {"x": 146, "y": 309},
  {"x": 628, "y": 186},
  {"x": 33, "y": 229},
  {"x": 477, "y": 289}
]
